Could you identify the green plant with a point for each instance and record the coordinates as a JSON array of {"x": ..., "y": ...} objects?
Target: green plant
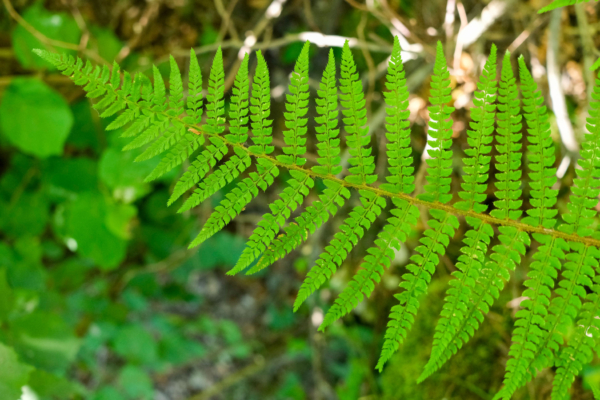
[
  {"x": 170, "y": 125},
  {"x": 560, "y": 3}
]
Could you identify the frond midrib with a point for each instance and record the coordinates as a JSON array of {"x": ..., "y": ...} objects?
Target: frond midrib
[{"x": 413, "y": 200}]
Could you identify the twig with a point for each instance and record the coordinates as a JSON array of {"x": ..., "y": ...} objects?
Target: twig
[
  {"x": 226, "y": 19},
  {"x": 150, "y": 12},
  {"x": 494, "y": 10},
  {"x": 537, "y": 22},
  {"x": 45, "y": 39}
]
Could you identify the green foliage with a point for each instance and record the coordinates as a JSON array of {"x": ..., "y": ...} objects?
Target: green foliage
[
  {"x": 35, "y": 118},
  {"x": 400, "y": 179},
  {"x": 581, "y": 346},
  {"x": 14, "y": 374},
  {"x": 440, "y": 131},
  {"x": 327, "y": 130},
  {"x": 354, "y": 111},
  {"x": 560, "y": 3},
  {"x": 174, "y": 125}
]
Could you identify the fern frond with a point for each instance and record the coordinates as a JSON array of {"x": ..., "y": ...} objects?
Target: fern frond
[
  {"x": 235, "y": 201},
  {"x": 579, "y": 269},
  {"x": 194, "y": 100},
  {"x": 225, "y": 174},
  {"x": 294, "y": 151},
  {"x": 581, "y": 346},
  {"x": 531, "y": 319},
  {"x": 353, "y": 229},
  {"x": 296, "y": 107},
  {"x": 596, "y": 391},
  {"x": 404, "y": 215},
  {"x": 238, "y": 120},
  {"x": 238, "y": 108},
  {"x": 207, "y": 159},
  {"x": 442, "y": 225},
  {"x": 440, "y": 130},
  {"x": 477, "y": 164},
  {"x": 327, "y": 128},
  {"x": 298, "y": 187},
  {"x": 260, "y": 109},
  {"x": 509, "y": 157},
  {"x": 332, "y": 198},
  {"x": 399, "y": 152},
  {"x": 400, "y": 179},
  {"x": 504, "y": 258},
  {"x": 355, "y": 118},
  {"x": 434, "y": 243}
]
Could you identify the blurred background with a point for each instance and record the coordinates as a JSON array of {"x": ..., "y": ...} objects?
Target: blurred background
[{"x": 99, "y": 298}]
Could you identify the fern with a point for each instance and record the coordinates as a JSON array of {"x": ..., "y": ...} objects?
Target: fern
[
  {"x": 179, "y": 125},
  {"x": 476, "y": 169},
  {"x": 442, "y": 225},
  {"x": 404, "y": 214},
  {"x": 581, "y": 346}
]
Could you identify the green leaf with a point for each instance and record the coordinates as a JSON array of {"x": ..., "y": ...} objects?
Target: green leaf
[
  {"x": 54, "y": 25},
  {"x": 71, "y": 176},
  {"x": 136, "y": 383},
  {"x": 86, "y": 224},
  {"x": 13, "y": 374},
  {"x": 136, "y": 345},
  {"x": 105, "y": 41},
  {"x": 45, "y": 340},
  {"x": 27, "y": 216},
  {"x": 35, "y": 118}
]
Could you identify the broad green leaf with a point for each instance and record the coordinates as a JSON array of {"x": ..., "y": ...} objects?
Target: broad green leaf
[
  {"x": 85, "y": 132},
  {"x": 13, "y": 374},
  {"x": 35, "y": 118},
  {"x": 86, "y": 224},
  {"x": 54, "y": 25},
  {"x": 68, "y": 177}
]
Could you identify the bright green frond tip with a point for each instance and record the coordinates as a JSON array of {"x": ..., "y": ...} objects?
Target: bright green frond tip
[
  {"x": 354, "y": 111},
  {"x": 439, "y": 162},
  {"x": 508, "y": 160},
  {"x": 399, "y": 151},
  {"x": 260, "y": 109},
  {"x": 327, "y": 122},
  {"x": 296, "y": 108}
]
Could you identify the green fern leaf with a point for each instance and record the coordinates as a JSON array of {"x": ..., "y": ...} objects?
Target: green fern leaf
[
  {"x": 399, "y": 152},
  {"x": 442, "y": 225},
  {"x": 238, "y": 109},
  {"x": 462, "y": 291},
  {"x": 361, "y": 217},
  {"x": 332, "y": 198},
  {"x": 434, "y": 243},
  {"x": 298, "y": 187},
  {"x": 404, "y": 215},
  {"x": 355, "y": 118},
  {"x": 260, "y": 109},
  {"x": 579, "y": 268},
  {"x": 509, "y": 157},
  {"x": 237, "y": 199},
  {"x": 327, "y": 128},
  {"x": 504, "y": 258},
  {"x": 225, "y": 174},
  {"x": 194, "y": 100},
  {"x": 531, "y": 319},
  {"x": 581, "y": 346},
  {"x": 440, "y": 131},
  {"x": 296, "y": 107}
]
